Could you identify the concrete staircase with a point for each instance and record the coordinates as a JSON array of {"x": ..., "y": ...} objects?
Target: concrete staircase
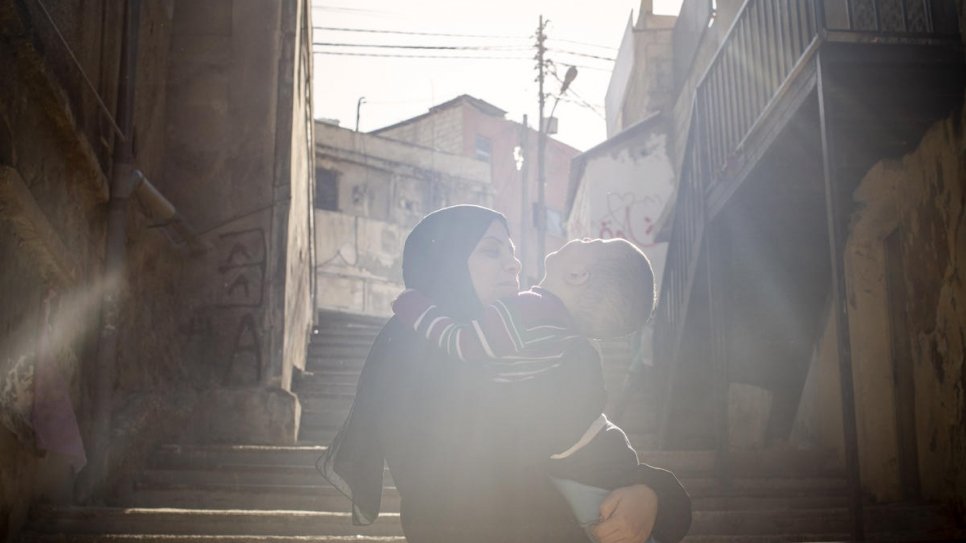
[{"x": 247, "y": 493}]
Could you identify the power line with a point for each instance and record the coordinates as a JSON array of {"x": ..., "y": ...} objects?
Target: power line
[
  {"x": 587, "y": 55},
  {"x": 410, "y": 33},
  {"x": 575, "y": 42},
  {"x": 431, "y": 47},
  {"x": 388, "y": 55}
]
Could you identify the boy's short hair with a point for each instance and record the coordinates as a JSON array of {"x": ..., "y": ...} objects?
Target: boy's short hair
[{"x": 619, "y": 296}]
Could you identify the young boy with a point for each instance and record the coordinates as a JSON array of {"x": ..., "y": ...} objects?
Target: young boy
[{"x": 591, "y": 288}]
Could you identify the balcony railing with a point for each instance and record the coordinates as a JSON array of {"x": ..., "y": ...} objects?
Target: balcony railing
[{"x": 768, "y": 44}]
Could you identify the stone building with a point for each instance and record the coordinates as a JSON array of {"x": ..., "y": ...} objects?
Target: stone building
[
  {"x": 156, "y": 234},
  {"x": 810, "y": 297},
  {"x": 474, "y": 128},
  {"x": 370, "y": 192}
]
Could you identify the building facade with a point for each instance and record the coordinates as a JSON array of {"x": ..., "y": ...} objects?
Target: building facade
[
  {"x": 474, "y": 128},
  {"x": 370, "y": 192}
]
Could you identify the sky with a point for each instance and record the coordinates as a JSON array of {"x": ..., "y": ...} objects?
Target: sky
[{"x": 585, "y": 34}]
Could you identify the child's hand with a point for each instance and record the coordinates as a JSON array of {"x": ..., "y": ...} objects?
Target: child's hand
[{"x": 627, "y": 515}]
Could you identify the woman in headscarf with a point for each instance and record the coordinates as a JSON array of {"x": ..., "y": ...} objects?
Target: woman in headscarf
[{"x": 464, "y": 470}]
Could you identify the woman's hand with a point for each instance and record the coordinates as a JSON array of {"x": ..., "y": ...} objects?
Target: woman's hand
[{"x": 628, "y": 515}]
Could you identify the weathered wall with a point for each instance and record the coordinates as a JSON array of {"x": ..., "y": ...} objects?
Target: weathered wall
[
  {"x": 383, "y": 188},
  {"x": 441, "y": 130},
  {"x": 623, "y": 189},
  {"x": 55, "y": 149},
  {"x": 299, "y": 306},
  {"x": 649, "y": 85},
  {"x": 238, "y": 135},
  {"x": 212, "y": 78},
  {"x": 921, "y": 199}
]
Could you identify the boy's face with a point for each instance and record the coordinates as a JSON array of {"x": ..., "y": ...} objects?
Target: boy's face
[{"x": 570, "y": 266}]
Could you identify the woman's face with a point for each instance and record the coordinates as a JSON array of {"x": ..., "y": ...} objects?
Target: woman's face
[{"x": 494, "y": 269}]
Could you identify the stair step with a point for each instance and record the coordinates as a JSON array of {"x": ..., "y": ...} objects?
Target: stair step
[
  {"x": 237, "y": 475},
  {"x": 173, "y": 521},
  {"x": 884, "y": 520},
  {"x": 216, "y": 456},
  {"x": 325, "y": 388},
  {"x": 325, "y": 419},
  {"x": 348, "y": 375},
  {"x": 322, "y": 497},
  {"x": 168, "y": 538},
  {"x": 327, "y": 363},
  {"x": 316, "y": 403}
]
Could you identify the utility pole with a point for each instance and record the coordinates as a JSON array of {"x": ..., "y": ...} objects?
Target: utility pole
[
  {"x": 524, "y": 201},
  {"x": 540, "y": 212}
]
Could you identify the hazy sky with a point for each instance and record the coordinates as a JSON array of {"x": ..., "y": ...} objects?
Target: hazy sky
[{"x": 399, "y": 88}]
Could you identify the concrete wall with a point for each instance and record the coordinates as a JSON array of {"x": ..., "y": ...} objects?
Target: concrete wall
[
  {"x": 55, "y": 149},
  {"x": 441, "y": 130},
  {"x": 384, "y": 187},
  {"x": 213, "y": 81},
  {"x": 919, "y": 198},
  {"x": 643, "y": 80},
  {"x": 624, "y": 188}
]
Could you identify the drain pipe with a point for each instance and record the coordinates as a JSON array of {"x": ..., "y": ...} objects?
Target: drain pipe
[{"x": 123, "y": 181}]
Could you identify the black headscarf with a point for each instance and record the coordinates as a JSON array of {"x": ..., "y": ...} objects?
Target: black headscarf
[
  {"x": 399, "y": 382},
  {"x": 436, "y": 252}
]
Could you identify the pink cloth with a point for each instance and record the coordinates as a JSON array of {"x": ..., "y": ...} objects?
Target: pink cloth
[{"x": 53, "y": 418}]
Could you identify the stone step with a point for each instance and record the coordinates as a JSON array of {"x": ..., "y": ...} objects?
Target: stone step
[
  {"x": 324, "y": 419},
  {"x": 760, "y": 503},
  {"x": 316, "y": 436},
  {"x": 174, "y": 521},
  {"x": 315, "y": 403},
  {"x": 322, "y": 363},
  {"x": 883, "y": 520},
  {"x": 237, "y": 475},
  {"x": 342, "y": 375},
  {"x": 322, "y": 497},
  {"x": 321, "y": 387},
  {"x": 801, "y": 467},
  {"x": 173, "y": 456},
  {"x": 169, "y": 538}
]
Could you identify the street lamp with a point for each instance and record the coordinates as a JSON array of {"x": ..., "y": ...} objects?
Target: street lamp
[
  {"x": 359, "y": 102},
  {"x": 541, "y": 165}
]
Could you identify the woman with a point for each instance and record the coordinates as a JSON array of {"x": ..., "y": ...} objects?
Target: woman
[{"x": 465, "y": 470}]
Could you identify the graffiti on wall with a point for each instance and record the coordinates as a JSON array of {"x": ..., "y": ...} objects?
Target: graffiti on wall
[
  {"x": 239, "y": 263},
  {"x": 630, "y": 216}
]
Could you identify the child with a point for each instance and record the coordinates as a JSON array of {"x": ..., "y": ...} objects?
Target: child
[{"x": 591, "y": 288}]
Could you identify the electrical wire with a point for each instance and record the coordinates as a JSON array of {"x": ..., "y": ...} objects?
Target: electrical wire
[
  {"x": 430, "y": 47},
  {"x": 389, "y": 55},
  {"x": 97, "y": 96},
  {"x": 575, "y": 53},
  {"x": 411, "y": 33},
  {"x": 575, "y": 42}
]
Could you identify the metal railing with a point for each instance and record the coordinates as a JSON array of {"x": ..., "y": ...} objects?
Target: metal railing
[{"x": 768, "y": 43}]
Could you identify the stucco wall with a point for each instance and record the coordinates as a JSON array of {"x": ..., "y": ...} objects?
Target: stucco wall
[
  {"x": 623, "y": 190},
  {"x": 921, "y": 199},
  {"x": 206, "y": 127},
  {"x": 441, "y": 130},
  {"x": 384, "y": 187},
  {"x": 55, "y": 145}
]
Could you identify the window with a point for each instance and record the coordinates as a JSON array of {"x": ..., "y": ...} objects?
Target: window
[
  {"x": 327, "y": 189},
  {"x": 484, "y": 148}
]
